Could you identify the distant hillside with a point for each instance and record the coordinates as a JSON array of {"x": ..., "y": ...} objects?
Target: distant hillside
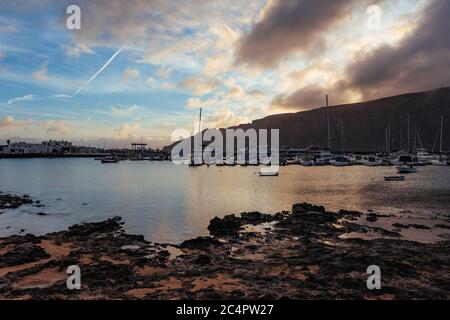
[{"x": 364, "y": 124}]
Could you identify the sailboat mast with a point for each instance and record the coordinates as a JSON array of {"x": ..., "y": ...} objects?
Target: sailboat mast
[
  {"x": 200, "y": 121},
  {"x": 328, "y": 124},
  {"x": 386, "y": 139},
  {"x": 442, "y": 130},
  {"x": 389, "y": 138},
  {"x": 408, "y": 135}
]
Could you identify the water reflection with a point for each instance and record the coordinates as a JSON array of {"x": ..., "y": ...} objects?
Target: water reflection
[{"x": 172, "y": 203}]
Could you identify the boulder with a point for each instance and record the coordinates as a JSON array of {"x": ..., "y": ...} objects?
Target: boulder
[{"x": 227, "y": 226}]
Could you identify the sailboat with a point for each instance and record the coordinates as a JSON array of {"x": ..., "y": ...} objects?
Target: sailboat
[
  {"x": 441, "y": 161},
  {"x": 192, "y": 162}
]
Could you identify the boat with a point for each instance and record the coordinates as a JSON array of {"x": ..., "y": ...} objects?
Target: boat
[
  {"x": 440, "y": 162},
  {"x": 404, "y": 159},
  {"x": 394, "y": 178},
  {"x": 406, "y": 169},
  {"x": 424, "y": 157},
  {"x": 266, "y": 172},
  {"x": 307, "y": 162},
  {"x": 340, "y": 162},
  {"x": 372, "y": 161},
  {"x": 137, "y": 157},
  {"x": 110, "y": 160},
  {"x": 356, "y": 159}
]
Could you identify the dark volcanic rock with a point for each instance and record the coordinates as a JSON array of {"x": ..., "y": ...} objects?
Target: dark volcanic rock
[
  {"x": 201, "y": 243},
  {"x": 202, "y": 259},
  {"x": 95, "y": 227},
  {"x": 306, "y": 207},
  {"x": 9, "y": 201},
  {"x": 255, "y": 218},
  {"x": 302, "y": 257},
  {"x": 23, "y": 253},
  {"x": 442, "y": 226},
  {"x": 227, "y": 226},
  {"x": 419, "y": 226},
  {"x": 401, "y": 226},
  {"x": 349, "y": 213}
]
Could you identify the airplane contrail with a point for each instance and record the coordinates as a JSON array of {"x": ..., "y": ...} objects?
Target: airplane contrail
[{"x": 98, "y": 72}]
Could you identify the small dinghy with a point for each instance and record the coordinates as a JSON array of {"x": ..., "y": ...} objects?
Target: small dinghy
[
  {"x": 266, "y": 172},
  {"x": 394, "y": 178}
]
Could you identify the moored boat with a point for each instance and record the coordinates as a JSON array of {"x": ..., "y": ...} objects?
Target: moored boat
[
  {"x": 110, "y": 160},
  {"x": 394, "y": 178},
  {"x": 268, "y": 172},
  {"x": 406, "y": 169},
  {"x": 340, "y": 162}
]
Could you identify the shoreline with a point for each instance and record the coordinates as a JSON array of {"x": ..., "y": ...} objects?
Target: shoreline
[{"x": 300, "y": 254}]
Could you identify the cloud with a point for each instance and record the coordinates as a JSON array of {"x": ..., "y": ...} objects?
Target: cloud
[
  {"x": 164, "y": 72},
  {"x": 123, "y": 112},
  {"x": 41, "y": 74},
  {"x": 200, "y": 86},
  {"x": 130, "y": 73},
  {"x": 78, "y": 49},
  {"x": 196, "y": 103},
  {"x": 27, "y": 97},
  {"x": 2, "y": 55},
  {"x": 216, "y": 65},
  {"x": 48, "y": 127},
  {"x": 256, "y": 93},
  {"x": 420, "y": 62},
  {"x": 224, "y": 118},
  {"x": 60, "y": 127},
  {"x": 127, "y": 131},
  {"x": 5, "y": 29},
  {"x": 311, "y": 97},
  {"x": 165, "y": 85},
  {"x": 287, "y": 27},
  {"x": 235, "y": 92},
  {"x": 9, "y": 122}
]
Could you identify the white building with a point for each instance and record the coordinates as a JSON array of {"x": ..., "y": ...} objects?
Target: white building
[
  {"x": 36, "y": 148},
  {"x": 57, "y": 146}
]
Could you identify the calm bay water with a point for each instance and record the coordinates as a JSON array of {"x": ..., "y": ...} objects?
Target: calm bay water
[{"x": 169, "y": 203}]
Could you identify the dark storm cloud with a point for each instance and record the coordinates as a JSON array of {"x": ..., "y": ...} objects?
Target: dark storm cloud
[
  {"x": 290, "y": 26},
  {"x": 310, "y": 97},
  {"x": 419, "y": 62}
]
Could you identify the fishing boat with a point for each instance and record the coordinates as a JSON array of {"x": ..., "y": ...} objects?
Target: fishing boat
[
  {"x": 110, "y": 160},
  {"x": 406, "y": 169},
  {"x": 394, "y": 178}
]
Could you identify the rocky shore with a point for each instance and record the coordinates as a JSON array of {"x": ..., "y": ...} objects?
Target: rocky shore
[
  {"x": 10, "y": 201},
  {"x": 307, "y": 253}
]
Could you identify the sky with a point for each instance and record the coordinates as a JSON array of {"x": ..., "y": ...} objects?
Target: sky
[{"x": 137, "y": 70}]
